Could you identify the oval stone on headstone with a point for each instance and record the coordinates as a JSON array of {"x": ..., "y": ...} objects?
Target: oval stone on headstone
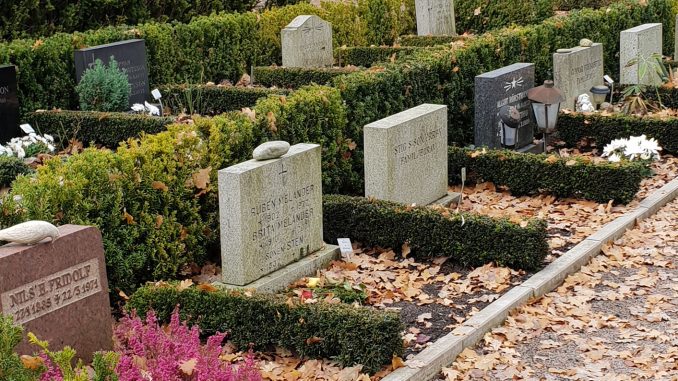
[
  {"x": 271, "y": 150},
  {"x": 563, "y": 50}
]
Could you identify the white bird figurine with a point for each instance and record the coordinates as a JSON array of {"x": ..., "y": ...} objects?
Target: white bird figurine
[
  {"x": 29, "y": 232},
  {"x": 152, "y": 110}
]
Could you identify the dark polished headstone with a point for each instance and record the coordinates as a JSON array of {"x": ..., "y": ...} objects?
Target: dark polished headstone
[
  {"x": 130, "y": 55},
  {"x": 494, "y": 89},
  {"x": 9, "y": 104}
]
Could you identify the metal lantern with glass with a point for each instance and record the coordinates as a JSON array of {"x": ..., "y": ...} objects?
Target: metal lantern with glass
[
  {"x": 509, "y": 121},
  {"x": 546, "y": 101},
  {"x": 599, "y": 93}
]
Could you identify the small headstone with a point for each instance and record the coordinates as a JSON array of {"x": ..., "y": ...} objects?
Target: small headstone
[
  {"x": 307, "y": 42},
  {"x": 576, "y": 72},
  {"x": 641, "y": 41},
  {"x": 59, "y": 291},
  {"x": 270, "y": 150},
  {"x": 435, "y": 17},
  {"x": 9, "y": 104},
  {"x": 270, "y": 213},
  {"x": 494, "y": 89},
  {"x": 131, "y": 57},
  {"x": 406, "y": 156}
]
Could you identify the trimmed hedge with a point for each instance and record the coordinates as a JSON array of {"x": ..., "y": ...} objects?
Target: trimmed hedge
[
  {"x": 347, "y": 334},
  {"x": 295, "y": 77},
  {"x": 10, "y": 168},
  {"x": 367, "y": 56},
  {"x": 478, "y": 16},
  {"x": 566, "y": 5},
  {"x": 421, "y": 41},
  {"x": 526, "y": 173},
  {"x": 26, "y": 18},
  {"x": 212, "y": 100},
  {"x": 468, "y": 239},
  {"x": 104, "y": 128}
]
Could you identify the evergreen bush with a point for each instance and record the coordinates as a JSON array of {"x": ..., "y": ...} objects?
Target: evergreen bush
[{"x": 104, "y": 88}]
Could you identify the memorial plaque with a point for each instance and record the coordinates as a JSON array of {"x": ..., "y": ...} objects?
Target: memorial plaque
[
  {"x": 435, "y": 17},
  {"x": 641, "y": 41},
  {"x": 406, "y": 156},
  {"x": 59, "y": 291},
  {"x": 307, "y": 42},
  {"x": 9, "y": 104},
  {"x": 494, "y": 89},
  {"x": 576, "y": 72},
  {"x": 270, "y": 213},
  {"x": 131, "y": 57}
]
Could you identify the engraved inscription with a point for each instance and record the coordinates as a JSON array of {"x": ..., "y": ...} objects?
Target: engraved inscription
[
  {"x": 419, "y": 148},
  {"x": 48, "y": 294}
]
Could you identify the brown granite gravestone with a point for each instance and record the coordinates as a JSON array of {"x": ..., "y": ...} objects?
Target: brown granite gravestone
[{"x": 59, "y": 291}]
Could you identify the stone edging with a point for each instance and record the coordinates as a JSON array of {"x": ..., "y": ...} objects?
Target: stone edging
[{"x": 445, "y": 350}]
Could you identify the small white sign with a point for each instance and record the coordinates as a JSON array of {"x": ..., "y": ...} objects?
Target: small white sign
[
  {"x": 608, "y": 79},
  {"x": 27, "y": 128},
  {"x": 463, "y": 174},
  {"x": 156, "y": 94},
  {"x": 345, "y": 246}
]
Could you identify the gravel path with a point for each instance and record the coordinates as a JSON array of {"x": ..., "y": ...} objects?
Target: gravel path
[{"x": 616, "y": 319}]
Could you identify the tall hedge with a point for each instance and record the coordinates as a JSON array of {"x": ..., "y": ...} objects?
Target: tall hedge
[{"x": 478, "y": 16}]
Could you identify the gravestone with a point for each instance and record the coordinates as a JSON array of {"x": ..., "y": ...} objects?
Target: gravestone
[
  {"x": 406, "y": 156},
  {"x": 270, "y": 214},
  {"x": 435, "y": 17},
  {"x": 577, "y": 71},
  {"x": 641, "y": 41},
  {"x": 58, "y": 290},
  {"x": 131, "y": 57},
  {"x": 9, "y": 104},
  {"x": 307, "y": 42},
  {"x": 494, "y": 89}
]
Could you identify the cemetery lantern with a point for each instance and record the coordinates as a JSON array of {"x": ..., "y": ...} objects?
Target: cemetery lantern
[
  {"x": 546, "y": 101},
  {"x": 509, "y": 121},
  {"x": 599, "y": 93}
]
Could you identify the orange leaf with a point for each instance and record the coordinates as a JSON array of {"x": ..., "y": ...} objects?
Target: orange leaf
[
  {"x": 158, "y": 221},
  {"x": 271, "y": 122},
  {"x": 123, "y": 295},
  {"x": 128, "y": 217},
  {"x": 188, "y": 366},
  {"x": 397, "y": 362},
  {"x": 313, "y": 340},
  {"x": 551, "y": 159},
  {"x": 159, "y": 185},
  {"x": 406, "y": 249},
  {"x": 32, "y": 362},
  {"x": 249, "y": 113},
  {"x": 207, "y": 287},
  {"x": 202, "y": 178}
]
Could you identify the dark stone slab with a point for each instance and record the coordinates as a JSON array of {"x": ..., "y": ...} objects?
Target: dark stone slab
[
  {"x": 131, "y": 56},
  {"x": 59, "y": 291},
  {"x": 505, "y": 86},
  {"x": 9, "y": 104}
]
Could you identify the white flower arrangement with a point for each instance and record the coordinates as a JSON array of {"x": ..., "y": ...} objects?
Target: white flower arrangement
[
  {"x": 17, "y": 146},
  {"x": 633, "y": 148}
]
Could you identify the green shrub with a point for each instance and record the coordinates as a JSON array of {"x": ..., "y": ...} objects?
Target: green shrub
[
  {"x": 368, "y": 56},
  {"x": 10, "y": 168},
  {"x": 106, "y": 129},
  {"x": 468, "y": 239},
  {"x": 104, "y": 88},
  {"x": 212, "y": 100},
  {"x": 11, "y": 367},
  {"x": 478, "y": 16},
  {"x": 566, "y": 5},
  {"x": 295, "y": 77},
  {"x": 525, "y": 173},
  {"x": 422, "y": 41},
  {"x": 349, "y": 335}
]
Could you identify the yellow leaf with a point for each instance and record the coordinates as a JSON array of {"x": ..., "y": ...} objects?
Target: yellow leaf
[
  {"x": 476, "y": 11},
  {"x": 271, "y": 122},
  {"x": 123, "y": 295},
  {"x": 188, "y": 366},
  {"x": 397, "y": 362},
  {"x": 551, "y": 159},
  {"x": 128, "y": 217},
  {"x": 159, "y": 185},
  {"x": 312, "y": 282},
  {"x": 184, "y": 284},
  {"x": 158, "y": 221},
  {"x": 32, "y": 362},
  {"x": 406, "y": 249},
  {"x": 570, "y": 163},
  {"x": 252, "y": 115},
  {"x": 202, "y": 178}
]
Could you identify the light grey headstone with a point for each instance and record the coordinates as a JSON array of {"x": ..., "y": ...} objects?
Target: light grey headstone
[
  {"x": 270, "y": 213},
  {"x": 641, "y": 41},
  {"x": 406, "y": 156},
  {"x": 435, "y": 17},
  {"x": 505, "y": 86},
  {"x": 575, "y": 72},
  {"x": 307, "y": 42}
]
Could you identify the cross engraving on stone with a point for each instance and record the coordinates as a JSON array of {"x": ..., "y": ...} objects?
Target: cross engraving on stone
[{"x": 283, "y": 173}]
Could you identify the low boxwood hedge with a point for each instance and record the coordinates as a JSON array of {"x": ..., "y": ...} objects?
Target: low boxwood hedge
[
  {"x": 526, "y": 173},
  {"x": 602, "y": 129},
  {"x": 104, "y": 128},
  {"x": 414, "y": 40},
  {"x": 468, "y": 239},
  {"x": 213, "y": 100},
  {"x": 295, "y": 77},
  {"x": 347, "y": 334},
  {"x": 367, "y": 56},
  {"x": 10, "y": 168}
]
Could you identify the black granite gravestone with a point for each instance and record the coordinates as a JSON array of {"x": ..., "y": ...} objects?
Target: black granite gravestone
[
  {"x": 494, "y": 89},
  {"x": 130, "y": 55},
  {"x": 9, "y": 104}
]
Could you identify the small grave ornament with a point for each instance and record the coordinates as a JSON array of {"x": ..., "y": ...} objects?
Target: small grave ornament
[{"x": 29, "y": 232}]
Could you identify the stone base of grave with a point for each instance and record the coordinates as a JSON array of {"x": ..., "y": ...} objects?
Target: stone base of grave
[
  {"x": 532, "y": 148},
  {"x": 280, "y": 279},
  {"x": 448, "y": 199}
]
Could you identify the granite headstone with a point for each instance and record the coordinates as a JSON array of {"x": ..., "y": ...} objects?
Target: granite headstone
[
  {"x": 270, "y": 213},
  {"x": 59, "y": 291},
  {"x": 9, "y": 104},
  {"x": 494, "y": 89},
  {"x": 577, "y": 71},
  {"x": 131, "y": 57},
  {"x": 307, "y": 42},
  {"x": 406, "y": 156},
  {"x": 435, "y": 17},
  {"x": 641, "y": 41}
]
